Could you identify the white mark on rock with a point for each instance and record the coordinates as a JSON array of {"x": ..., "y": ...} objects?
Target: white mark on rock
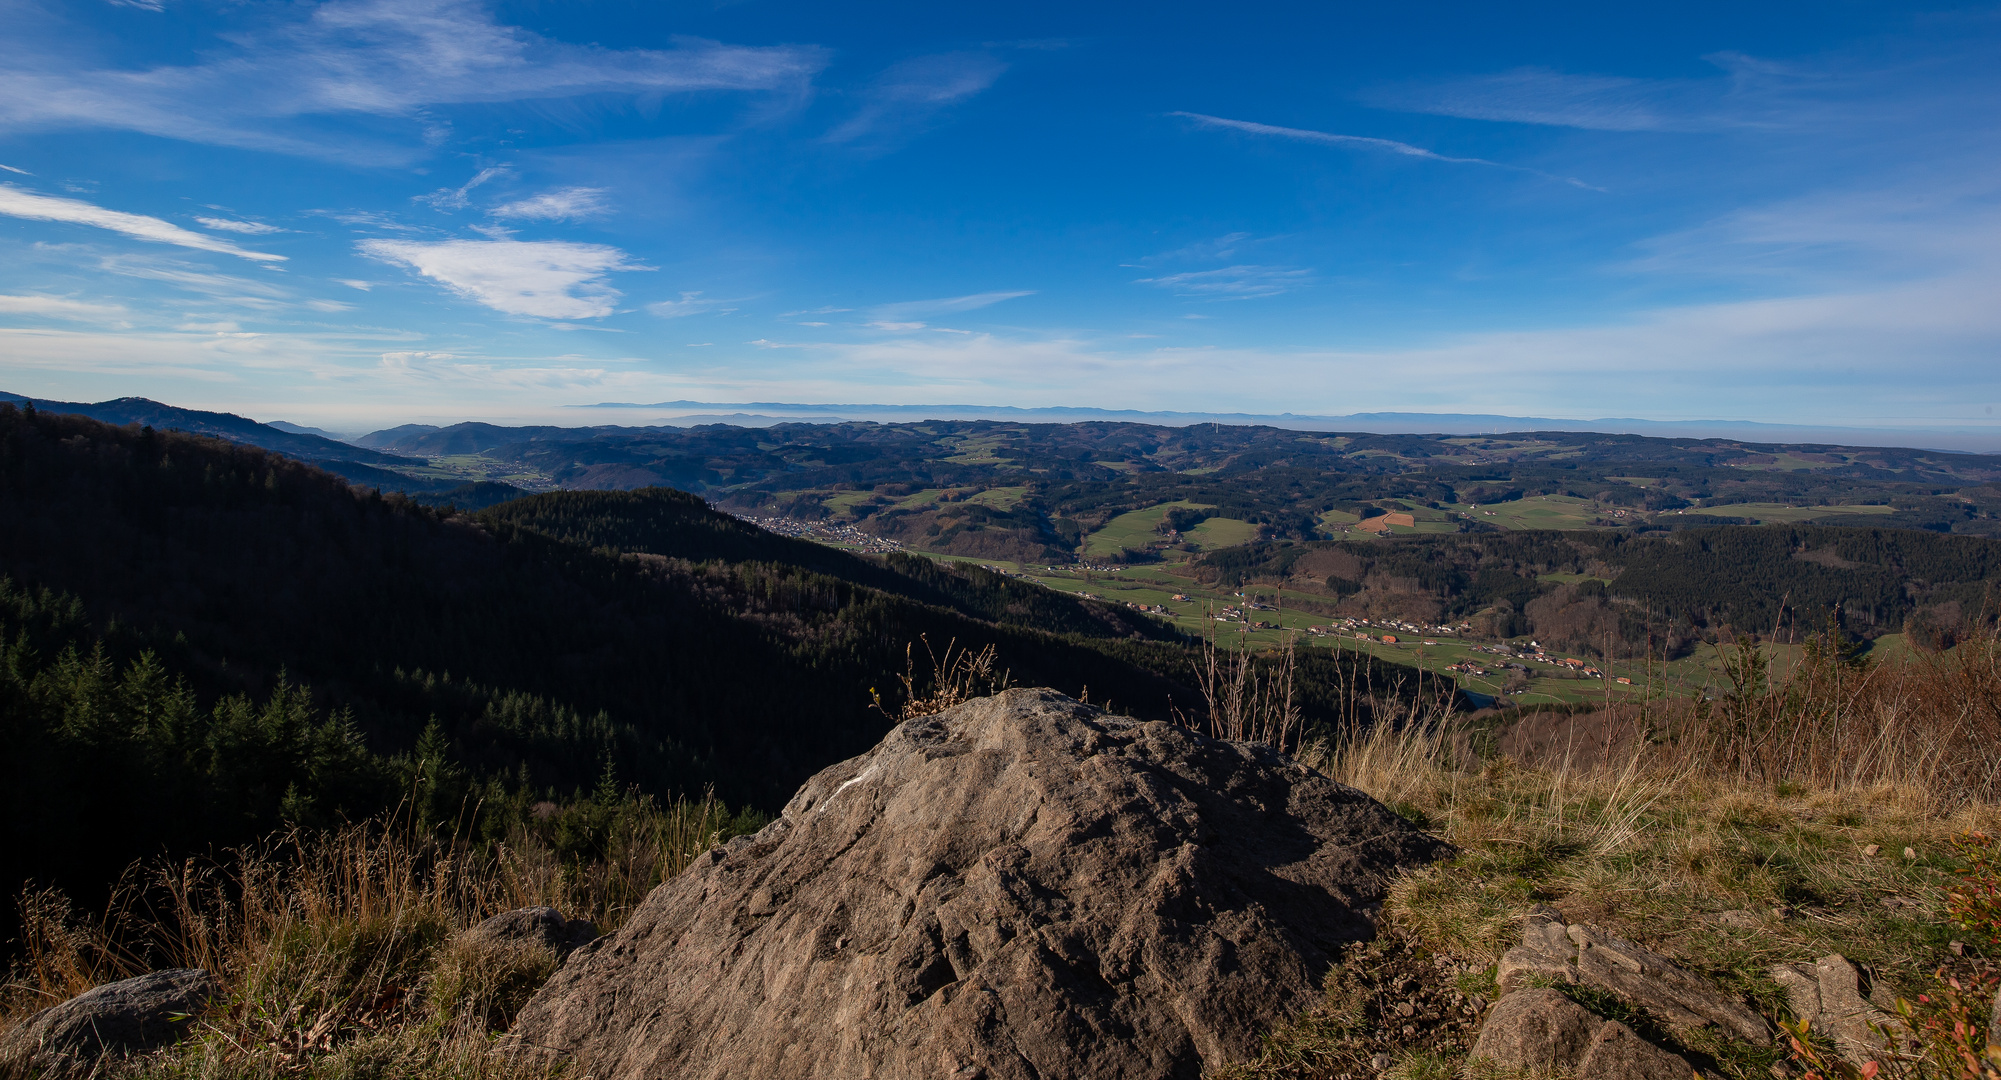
[{"x": 865, "y": 774}]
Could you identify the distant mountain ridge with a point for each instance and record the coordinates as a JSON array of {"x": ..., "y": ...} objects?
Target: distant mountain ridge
[
  {"x": 1964, "y": 438},
  {"x": 220, "y": 425}
]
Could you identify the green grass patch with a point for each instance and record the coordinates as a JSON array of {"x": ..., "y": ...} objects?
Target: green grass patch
[
  {"x": 1221, "y": 533},
  {"x": 1135, "y": 529}
]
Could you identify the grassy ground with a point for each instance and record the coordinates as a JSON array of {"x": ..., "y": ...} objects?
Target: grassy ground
[
  {"x": 1782, "y": 513},
  {"x": 1132, "y": 531},
  {"x": 1217, "y": 533},
  {"x": 1135, "y": 529},
  {"x": 1694, "y": 846},
  {"x": 1817, "y": 814},
  {"x": 343, "y": 954}
]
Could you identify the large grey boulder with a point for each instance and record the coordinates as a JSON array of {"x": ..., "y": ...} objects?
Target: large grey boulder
[
  {"x": 134, "y": 1014},
  {"x": 1584, "y": 955},
  {"x": 1019, "y": 887},
  {"x": 1542, "y": 1033}
]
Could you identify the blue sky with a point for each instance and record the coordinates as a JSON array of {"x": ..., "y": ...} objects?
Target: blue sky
[{"x": 355, "y": 213}]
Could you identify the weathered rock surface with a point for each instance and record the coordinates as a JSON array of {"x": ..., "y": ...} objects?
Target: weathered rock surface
[
  {"x": 119, "y": 1017},
  {"x": 534, "y": 925},
  {"x": 1576, "y": 953},
  {"x": 1828, "y": 994},
  {"x": 1019, "y": 887},
  {"x": 1542, "y": 1033}
]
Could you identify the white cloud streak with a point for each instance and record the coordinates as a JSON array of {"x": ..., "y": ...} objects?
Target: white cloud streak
[
  {"x": 691, "y": 303},
  {"x": 250, "y": 228},
  {"x": 27, "y": 204},
  {"x": 1368, "y": 143},
  {"x": 564, "y": 204},
  {"x": 56, "y": 307},
  {"x": 947, "y": 305},
  {"x": 911, "y": 93},
  {"x": 385, "y": 58},
  {"x": 449, "y": 199},
  {"x": 548, "y": 279},
  {"x": 1540, "y": 96},
  {"x": 1233, "y": 282}
]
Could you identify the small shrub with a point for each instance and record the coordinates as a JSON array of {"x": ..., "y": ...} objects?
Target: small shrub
[{"x": 1975, "y": 903}]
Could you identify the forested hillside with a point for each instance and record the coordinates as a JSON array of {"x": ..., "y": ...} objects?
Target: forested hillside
[
  {"x": 204, "y": 640},
  {"x": 1031, "y": 492}
]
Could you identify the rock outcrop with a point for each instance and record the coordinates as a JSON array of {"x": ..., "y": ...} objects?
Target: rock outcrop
[
  {"x": 1585, "y": 955},
  {"x": 133, "y": 1014},
  {"x": 543, "y": 926},
  {"x": 1542, "y": 1033},
  {"x": 1828, "y": 994},
  {"x": 1019, "y": 887}
]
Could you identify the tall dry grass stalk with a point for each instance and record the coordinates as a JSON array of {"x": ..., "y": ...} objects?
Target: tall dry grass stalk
[
  {"x": 957, "y": 677},
  {"x": 330, "y": 940},
  {"x": 1926, "y": 726},
  {"x": 1244, "y": 700}
]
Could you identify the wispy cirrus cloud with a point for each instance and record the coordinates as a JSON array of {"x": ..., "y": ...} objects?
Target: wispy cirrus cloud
[
  {"x": 249, "y": 228},
  {"x": 691, "y": 303},
  {"x": 1541, "y": 96},
  {"x": 1746, "y": 92},
  {"x": 1233, "y": 282},
  {"x": 382, "y": 58},
  {"x": 563, "y": 204},
  {"x": 446, "y": 200},
  {"x": 909, "y": 94},
  {"x": 16, "y": 202},
  {"x": 948, "y": 305},
  {"x": 59, "y": 307},
  {"x": 1368, "y": 143},
  {"x": 548, "y": 279},
  {"x": 253, "y": 293}
]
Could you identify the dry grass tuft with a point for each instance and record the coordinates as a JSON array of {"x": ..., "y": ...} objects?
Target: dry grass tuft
[
  {"x": 1768, "y": 825},
  {"x": 342, "y": 952},
  {"x": 956, "y": 678}
]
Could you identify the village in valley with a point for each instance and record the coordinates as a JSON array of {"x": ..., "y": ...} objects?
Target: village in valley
[{"x": 1490, "y": 672}]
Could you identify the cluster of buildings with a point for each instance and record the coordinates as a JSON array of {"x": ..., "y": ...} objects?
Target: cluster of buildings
[{"x": 825, "y": 533}]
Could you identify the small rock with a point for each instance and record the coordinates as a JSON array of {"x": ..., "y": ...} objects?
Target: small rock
[
  {"x": 1541, "y": 1032},
  {"x": 1829, "y": 996},
  {"x": 134, "y": 1014},
  {"x": 1958, "y": 947},
  {"x": 1872, "y": 849},
  {"x": 1736, "y": 920},
  {"x": 1994, "y": 1024},
  {"x": 1546, "y": 951},
  {"x": 1406, "y": 1010},
  {"x": 542, "y": 925},
  {"x": 1583, "y": 954},
  {"x": 1910, "y": 853},
  {"x": 1617, "y": 1053},
  {"x": 1380, "y": 1062}
]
